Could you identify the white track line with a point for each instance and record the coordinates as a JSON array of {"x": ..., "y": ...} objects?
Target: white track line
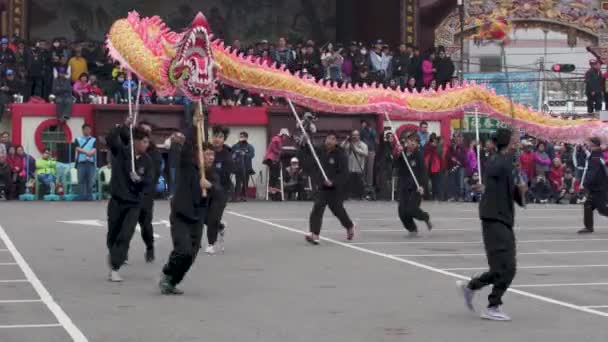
[
  {"x": 2, "y": 250},
  {"x": 8, "y": 263},
  {"x": 483, "y": 254},
  {"x": 439, "y": 219},
  {"x": 559, "y": 285},
  {"x": 21, "y": 326},
  {"x": 523, "y": 267},
  {"x": 6, "y": 281},
  {"x": 596, "y": 306},
  {"x": 9, "y": 301},
  {"x": 45, "y": 296},
  {"x": 439, "y": 229},
  {"x": 463, "y": 242},
  {"x": 422, "y": 266}
]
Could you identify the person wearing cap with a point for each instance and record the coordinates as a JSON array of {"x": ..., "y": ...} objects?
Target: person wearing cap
[
  {"x": 593, "y": 87},
  {"x": 379, "y": 61},
  {"x": 272, "y": 158},
  {"x": 497, "y": 215},
  {"x": 243, "y": 153},
  {"x": 7, "y": 56},
  {"x": 596, "y": 183},
  {"x": 294, "y": 180},
  {"x": 332, "y": 159},
  {"x": 9, "y": 87}
]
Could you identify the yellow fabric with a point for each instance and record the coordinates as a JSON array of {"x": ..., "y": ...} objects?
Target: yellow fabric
[{"x": 78, "y": 66}]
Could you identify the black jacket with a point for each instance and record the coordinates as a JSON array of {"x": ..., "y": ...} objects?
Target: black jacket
[
  {"x": 593, "y": 81},
  {"x": 401, "y": 63},
  {"x": 335, "y": 165},
  {"x": 157, "y": 161},
  {"x": 596, "y": 179},
  {"x": 500, "y": 192},
  {"x": 224, "y": 166},
  {"x": 445, "y": 69},
  {"x": 416, "y": 161},
  {"x": 122, "y": 188},
  {"x": 188, "y": 202},
  {"x": 5, "y": 175}
]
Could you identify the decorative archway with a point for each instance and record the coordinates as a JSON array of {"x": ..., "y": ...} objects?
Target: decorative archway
[{"x": 576, "y": 18}]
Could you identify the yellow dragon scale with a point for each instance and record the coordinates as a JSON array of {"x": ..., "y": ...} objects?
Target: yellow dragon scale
[{"x": 146, "y": 47}]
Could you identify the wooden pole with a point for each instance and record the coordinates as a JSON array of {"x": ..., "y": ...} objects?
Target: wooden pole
[{"x": 199, "y": 119}]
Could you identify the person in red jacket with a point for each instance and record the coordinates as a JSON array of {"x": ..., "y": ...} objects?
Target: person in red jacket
[
  {"x": 272, "y": 159},
  {"x": 527, "y": 160},
  {"x": 556, "y": 178},
  {"x": 432, "y": 159}
]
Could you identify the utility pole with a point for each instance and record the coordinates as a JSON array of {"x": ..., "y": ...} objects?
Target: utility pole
[{"x": 461, "y": 14}]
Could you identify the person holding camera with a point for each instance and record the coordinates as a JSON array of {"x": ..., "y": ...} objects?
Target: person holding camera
[{"x": 356, "y": 152}]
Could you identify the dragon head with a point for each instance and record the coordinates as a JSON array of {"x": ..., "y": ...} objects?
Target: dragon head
[{"x": 193, "y": 69}]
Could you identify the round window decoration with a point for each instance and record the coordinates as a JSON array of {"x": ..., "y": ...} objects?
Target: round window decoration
[
  {"x": 51, "y": 132},
  {"x": 406, "y": 128}
]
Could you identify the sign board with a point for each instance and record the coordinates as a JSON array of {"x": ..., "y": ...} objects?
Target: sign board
[
  {"x": 524, "y": 85},
  {"x": 486, "y": 124}
]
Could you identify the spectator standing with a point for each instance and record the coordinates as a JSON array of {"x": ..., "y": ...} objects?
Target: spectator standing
[
  {"x": 356, "y": 152},
  {"x": 456, "y": 162},
  {"x": 5, "y": 142},
  {"x": 432, "y": 160},
  {"x": 593, "y": 87},
  {"x": 272, "y": 159},
  {"x": 86, "y": 155},
  {"x": 7, "y": 56},
  {"x": 423, "y": 134},
  {"x": 47, "y": 68},
  {"x": 428, "y": 69},
  {"x": 62, "y": 63},
  {"x": 400, "y": 65},
  {"x": 379, "y": 61},
  {"x": 35, "y": 69},
  {"x": 243, "y": 153},
  {"x": 332, "y": 63},
  {"x": 445, "y": 69},
  {"x": 283, "y": 55},
  {"x": 415, "y": 68},
  {"x": 9, "y": 87},
  {"x": 78, "y": 65},
  {"x": 62, "y": 89},
  {"x": 369, "y": 137}
]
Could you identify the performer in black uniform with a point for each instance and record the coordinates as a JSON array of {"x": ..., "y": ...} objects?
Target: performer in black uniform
[
  {"x": 410, "y": 195},
  {"x": 596, "y": 184},
  {"x": 127, "y": 190},
  {"x": 147, "y": 210},
  {"x": 496, "y": 211},
  {"x": 224, "y": 167},
  {"x": 330, "y": 193},
  {"x": 189, "y": 211}
]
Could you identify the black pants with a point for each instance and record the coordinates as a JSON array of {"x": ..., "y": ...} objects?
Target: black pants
[
  {"x": 214, "y": 219},
  {"x": 409, "y": 209},
  {"x": 334, "y": 199},
  {"x": 242, "y": 181},
  {"x": 146, "y": 215},
  {"x": 355, "y": 185},
  {"x": 595, "y": 201},
  {"x": 499, "y": 242},
  {"x": 186, "y": 238},
  {"x": 594, "y": 102},
  {"x": 122, "y": 218}
]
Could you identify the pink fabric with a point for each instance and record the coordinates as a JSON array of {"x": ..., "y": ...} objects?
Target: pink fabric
[
  {"x": 81, "y": 88},
  {"x": 471, "y": 161},
  {"x": 427, "y": 72},
  {"x": 274, "y": 149}
]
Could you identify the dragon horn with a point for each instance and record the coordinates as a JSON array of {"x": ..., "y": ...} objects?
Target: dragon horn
[{"x": 201, "y": 20}]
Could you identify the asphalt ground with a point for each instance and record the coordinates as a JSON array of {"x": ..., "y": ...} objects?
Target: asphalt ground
[{"x": 270, "y": 285}]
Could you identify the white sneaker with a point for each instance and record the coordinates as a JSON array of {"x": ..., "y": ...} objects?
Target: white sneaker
[
  {"x": 210, "y": 250},
  {"x": 494, "y": 313},
  {"x": 115, "y": 277},
  {"x": 467, "y": 294}
]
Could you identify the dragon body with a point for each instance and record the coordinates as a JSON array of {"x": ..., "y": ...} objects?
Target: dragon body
[{"x": 188, "y": 61}]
